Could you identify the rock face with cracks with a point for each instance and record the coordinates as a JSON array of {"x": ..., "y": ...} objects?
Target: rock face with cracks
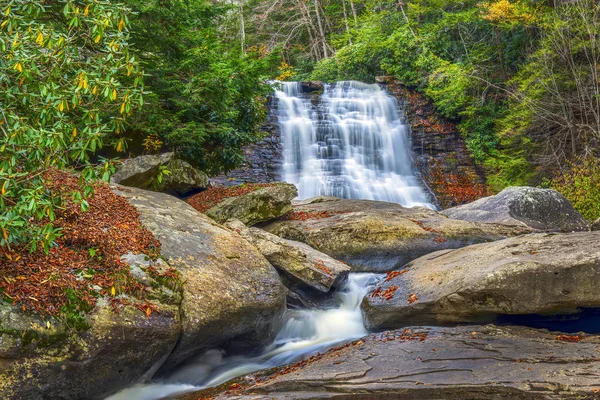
[
  {"x": 539, "y": 209},
  {"x": 464, "y": 363},
  {"x": 543, "y": 273},
  {"x": 374, "y": 236},
  {"x": 229, "y": 288}
]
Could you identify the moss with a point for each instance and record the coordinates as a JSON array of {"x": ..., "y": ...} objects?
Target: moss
[{"x": 74, "y": 311}]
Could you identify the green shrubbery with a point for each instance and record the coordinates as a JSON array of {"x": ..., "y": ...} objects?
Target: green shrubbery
[
  {"x": 580, "y": 183},
  {"x": 68, "y": 84}
]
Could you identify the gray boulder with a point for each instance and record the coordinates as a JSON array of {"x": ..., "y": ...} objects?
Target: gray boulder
[
  {"x": 42, "y": 358},
  {"x": 464, "y": 363},
  {"x": 542, "y": 273},
  {"x": 263, "y": 204},
  {"x": 295, "y": 259},
  {"x": 374, "y": 236},
  {"x": 142, "y": 172},
  {"x": 540, "y": 209},
  {"x": 229, "y": 289},
  {"x": 596, "y": 225}
]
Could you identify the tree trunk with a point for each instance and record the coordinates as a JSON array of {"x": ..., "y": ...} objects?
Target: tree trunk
[
  {"x": 321, "y": 30},
  {"x": 346, "y": 21}
]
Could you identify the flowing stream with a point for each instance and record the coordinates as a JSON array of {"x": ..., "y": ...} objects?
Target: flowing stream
[
  {"x": 305, "y": 332},
  {"x": 351, "y": 143}
]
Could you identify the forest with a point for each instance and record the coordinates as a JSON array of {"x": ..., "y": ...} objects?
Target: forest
[{"x": 86, "y": 82}]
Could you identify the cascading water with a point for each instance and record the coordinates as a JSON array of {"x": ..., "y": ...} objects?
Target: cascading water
[
  {"x": 305, "y": 332},
  {"x": 352, "y": 144}
]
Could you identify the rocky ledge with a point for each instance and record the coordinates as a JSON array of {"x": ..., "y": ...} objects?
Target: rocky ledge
[
  {"x": 373, "y": 236},
  {"x": 463, "y": 363}
]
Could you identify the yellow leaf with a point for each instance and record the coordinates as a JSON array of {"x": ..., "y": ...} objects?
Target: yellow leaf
[
  {"x": 61, "y": 107},
  {"x": 121, "y": 25},
  {"x": 5, "y": 234},
  {"x": 4, "y": 188},
  {"x": 95, "y": 90},
  {"x": 114, "y": 93},
  {"x": 113, "y": 291},
  {"x": 122, "y": 108},
  {"x": 86, "y": 10},
  {"x": 4, "y": 24},
  {"x": 48, "y": 325},
  {"x": 74, "y": 132},
  {"x": 40, "y": 39},
  {"x": 119, "y": 146},
  {"x": 97, "y": 38},
  {"x": 7, "y": 11},
  {"x": 18, "y": 67}
]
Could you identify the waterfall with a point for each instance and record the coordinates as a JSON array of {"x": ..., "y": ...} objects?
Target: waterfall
[
  {"x": 305, "y": 333},
  {"x": 351, "y": 144}
]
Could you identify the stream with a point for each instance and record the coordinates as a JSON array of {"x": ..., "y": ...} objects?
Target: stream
[{"x": 304, "y": 333}]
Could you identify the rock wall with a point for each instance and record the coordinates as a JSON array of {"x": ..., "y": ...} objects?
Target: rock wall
[
  {"x": 263, "y": 159},
  {"x": 441, "y": 157}
]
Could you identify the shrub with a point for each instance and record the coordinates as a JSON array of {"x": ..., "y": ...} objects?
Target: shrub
[{"x": 580, "y": 184}]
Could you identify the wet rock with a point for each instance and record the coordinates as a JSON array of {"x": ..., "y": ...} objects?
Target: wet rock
[
  {"x": 105, "y": 352},
  {"x": 533, "y": 274},
  {"x": 229, "y": 289},
  {"x": 263, "y": 204},
  {"x": 300, "y": 261},
  {"x": 142, "y": 172},
  {"x": 376, "y": 236},
  {"x": 311, "y": 86},
  {"x": 596, "y": 225},
  {"x": 464, "y": 363},
  {"x": 541, "y": 209}
]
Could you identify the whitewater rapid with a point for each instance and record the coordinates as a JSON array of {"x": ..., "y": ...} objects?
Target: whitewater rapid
[{"x": 305, "y": 333}]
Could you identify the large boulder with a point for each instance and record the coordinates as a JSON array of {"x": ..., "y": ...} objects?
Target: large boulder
[
  {"x": 543, "y": 273},
  {"x": 263, "y": 204},
  {"x": 596, "y": 225},
  {"x": 143, "y": 172},
  {"x": 294, "y": 259},
  {"x": 540, "y": 209},
  {"x": 464, "y": 363},
  {"x": 376, "y": 236},
  {"x": 230, "y": 290},
  {"x": 43, "y": 358}
]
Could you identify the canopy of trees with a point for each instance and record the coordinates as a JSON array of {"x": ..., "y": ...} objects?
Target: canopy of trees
[{"x": 520, "y": 77}]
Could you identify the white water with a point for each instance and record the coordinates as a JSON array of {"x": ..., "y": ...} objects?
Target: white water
[
  {"x": 306, "y": 332},
  {"x": 353, "y": 144}
]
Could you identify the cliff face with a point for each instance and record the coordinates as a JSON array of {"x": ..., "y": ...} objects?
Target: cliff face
[
  {"x": 264, "y": 158},
  {"x": 441, "y": 157}
]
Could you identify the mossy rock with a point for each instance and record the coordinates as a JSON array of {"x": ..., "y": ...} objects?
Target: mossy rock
[{"x": 264, "y": 204}]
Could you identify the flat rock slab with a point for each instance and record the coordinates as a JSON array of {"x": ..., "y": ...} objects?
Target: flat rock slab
[
  {"x": 542, "y": 273},
  {"x": 540, "y": 209},
  {"x": 471, "y": 362},
  {"x": 373, "y": 236}
]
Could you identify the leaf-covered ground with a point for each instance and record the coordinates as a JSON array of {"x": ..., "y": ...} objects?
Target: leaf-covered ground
[
  {"x": 213, "y": 196},
  {"x": 85, "y": 262}
]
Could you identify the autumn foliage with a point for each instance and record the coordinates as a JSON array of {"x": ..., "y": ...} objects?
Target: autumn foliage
[
  {"x": 85, "y": 261},
  {"x": 455, "y": 188}
]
